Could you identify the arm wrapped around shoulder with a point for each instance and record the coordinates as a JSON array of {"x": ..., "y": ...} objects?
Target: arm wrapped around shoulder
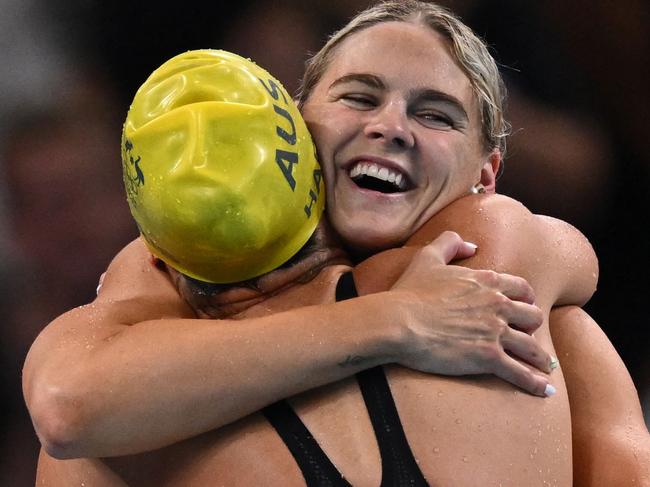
[{"x": 553, "y": 256}]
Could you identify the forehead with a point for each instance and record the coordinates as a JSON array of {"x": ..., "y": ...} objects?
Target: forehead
[{"x": 403, "y": 54}]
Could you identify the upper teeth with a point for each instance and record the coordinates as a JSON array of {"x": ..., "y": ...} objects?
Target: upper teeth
[{"x": 383, "y": 173}]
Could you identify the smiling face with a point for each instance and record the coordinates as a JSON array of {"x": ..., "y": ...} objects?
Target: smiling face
[{"x": 398, "y": 132}]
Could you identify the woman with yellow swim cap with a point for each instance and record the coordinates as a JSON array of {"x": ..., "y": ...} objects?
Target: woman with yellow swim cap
[{"x": 220, "y": 170}]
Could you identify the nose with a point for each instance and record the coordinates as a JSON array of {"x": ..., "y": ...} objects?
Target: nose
[{"x": 390, "y": 124}]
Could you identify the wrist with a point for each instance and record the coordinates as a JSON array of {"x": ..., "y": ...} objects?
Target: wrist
[{"x": 382, "y": 320}]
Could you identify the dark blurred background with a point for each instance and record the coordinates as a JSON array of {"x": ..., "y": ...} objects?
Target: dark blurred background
[{"x": 577, "y": 72}]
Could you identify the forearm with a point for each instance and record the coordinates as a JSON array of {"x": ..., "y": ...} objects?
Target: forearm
[
  {"x": 611, "y": 444},
  {"x": 158, "y": 382},
  {"x": 97, "y": 386}
]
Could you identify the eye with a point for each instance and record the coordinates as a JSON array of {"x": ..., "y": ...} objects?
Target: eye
[
  {"x": 359, "y": 101},
  {"x": 435, "y": 119}
]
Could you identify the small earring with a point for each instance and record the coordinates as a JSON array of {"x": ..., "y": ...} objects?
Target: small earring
[{"x": 478, "y": 188}]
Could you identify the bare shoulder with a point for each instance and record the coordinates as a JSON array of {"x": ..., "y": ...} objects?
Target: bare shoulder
[
  {"x": 134, "y": 290},
  {"x": 133, "y": 274},
  {"x": 513, "y": 240}
]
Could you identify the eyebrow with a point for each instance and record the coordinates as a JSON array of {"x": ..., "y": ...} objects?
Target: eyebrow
[
  {"x": 373, "y": 81},
  {"x": 367, "y": 79}
]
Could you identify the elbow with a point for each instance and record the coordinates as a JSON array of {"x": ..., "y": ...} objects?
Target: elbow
[
  {"x": 58, "y": 420},
  {"x": 56, "y": 435}
]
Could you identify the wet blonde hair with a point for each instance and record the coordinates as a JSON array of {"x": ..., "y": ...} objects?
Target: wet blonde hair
[{"x": 469, "y": 50}]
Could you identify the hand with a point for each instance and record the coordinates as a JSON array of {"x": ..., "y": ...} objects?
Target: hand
[{"x": 464, "y": 321}]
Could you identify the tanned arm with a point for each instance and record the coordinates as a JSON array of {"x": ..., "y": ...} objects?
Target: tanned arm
[
  {"x": 611, "y": 444},
  {"x": 120, "y": 375},
  {"x": 134, "y": 370}
]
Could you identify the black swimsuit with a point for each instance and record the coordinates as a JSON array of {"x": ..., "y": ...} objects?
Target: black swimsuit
[{"x": 399, "y": 468}]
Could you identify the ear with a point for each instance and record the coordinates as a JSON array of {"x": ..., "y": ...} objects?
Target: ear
[{"x": 489, "y": 171}]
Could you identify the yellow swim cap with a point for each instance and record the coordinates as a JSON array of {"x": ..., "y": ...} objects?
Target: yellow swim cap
[{"x": 220, "y": 171}]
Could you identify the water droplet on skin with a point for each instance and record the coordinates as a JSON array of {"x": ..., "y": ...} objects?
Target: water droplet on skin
[
  {"x": 465, "y": 459},
  {"x": 458, "y": 421},
  {"x": 436, "y": 450}
]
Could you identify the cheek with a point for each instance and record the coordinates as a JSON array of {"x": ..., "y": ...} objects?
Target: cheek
[
  {"x": 323, "y": 149},
  {"x": 452, "y": 161},
  {"x": 440, "y": 160},
  {"x": 323, "y": 138},
  {"x": 316, "y": 129}
]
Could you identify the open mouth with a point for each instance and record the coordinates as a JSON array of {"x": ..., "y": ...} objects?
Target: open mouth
[{"x": 368, "y": 175}]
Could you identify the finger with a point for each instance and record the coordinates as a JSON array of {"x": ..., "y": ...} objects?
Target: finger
[
  {"x": 522, "y": 316},
  {"x": 521, "y": 376},
  {"x": 466, "y": 250},
  {"x": 516, "y": 288},
  {"x": 526, "y": 348},
  {"x": 449, "y": 246}
]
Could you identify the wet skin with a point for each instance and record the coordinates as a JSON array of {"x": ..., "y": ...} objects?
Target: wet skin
[
  {"x": 488, "y": 426},
  {"x": 421, "y": 125}
]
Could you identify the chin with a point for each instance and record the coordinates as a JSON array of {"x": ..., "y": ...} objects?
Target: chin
[{"x": 364, "y": 240}]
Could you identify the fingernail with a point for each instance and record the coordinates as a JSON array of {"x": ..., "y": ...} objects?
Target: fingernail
[
  {"x": 549, "y": 390},
  {"x": 473, "y": 245},
  {"x": 554, "y": 363},
  {"x": 101, "y": 281}
]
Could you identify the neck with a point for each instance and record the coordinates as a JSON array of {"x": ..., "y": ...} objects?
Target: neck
[{"x": 227, "y": 301}]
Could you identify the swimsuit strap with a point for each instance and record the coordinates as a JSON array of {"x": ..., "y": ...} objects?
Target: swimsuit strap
[
  {"x": 316, "y": 468},
  {"x": 398, "y": 465},
  {"x": 345, "y": 287},
  {"x": 399, "y": 468}
]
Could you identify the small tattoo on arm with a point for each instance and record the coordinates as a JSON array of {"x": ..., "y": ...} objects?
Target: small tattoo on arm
[{"x": 353, "y": 360}]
